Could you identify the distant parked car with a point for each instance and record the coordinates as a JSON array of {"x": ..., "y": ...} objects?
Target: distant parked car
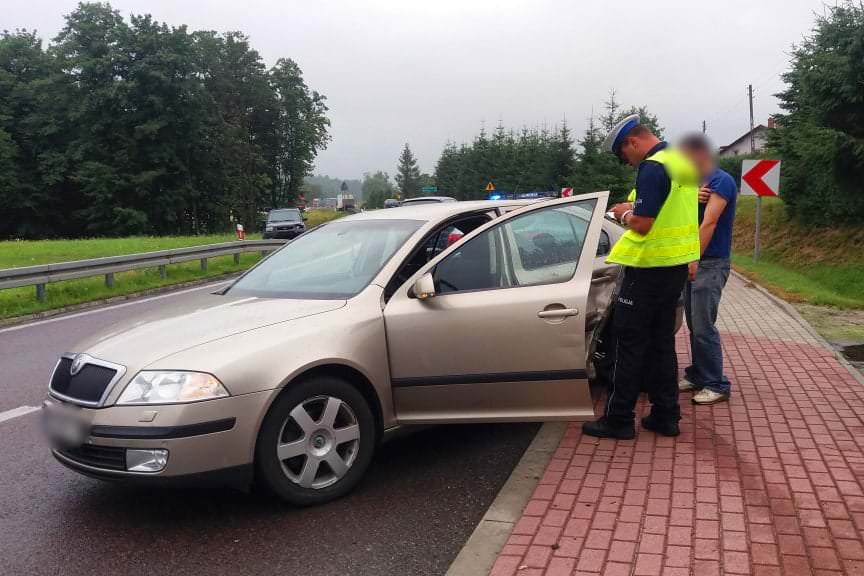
[
  {"x": 391, "y": 203},
  {"x": 427, "y": 200},
  {"x": 284, "y": 223}
]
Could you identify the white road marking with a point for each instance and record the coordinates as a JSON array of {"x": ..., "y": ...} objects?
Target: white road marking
[
  {"x": 108, "y": 307},
  {"x": 15, "y": 412}
]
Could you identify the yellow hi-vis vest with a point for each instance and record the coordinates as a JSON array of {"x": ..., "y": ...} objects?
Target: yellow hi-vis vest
[{"x": 674, "y": 236}]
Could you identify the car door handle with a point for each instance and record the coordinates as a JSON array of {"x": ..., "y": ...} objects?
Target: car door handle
[{"x": 558, "y": 313}]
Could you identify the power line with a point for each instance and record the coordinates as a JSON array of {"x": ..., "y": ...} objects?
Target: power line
[{"x": 778, "y": 69}]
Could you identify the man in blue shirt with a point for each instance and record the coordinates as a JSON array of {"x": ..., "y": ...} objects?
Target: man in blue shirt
[{"x": 708, "y": 276}]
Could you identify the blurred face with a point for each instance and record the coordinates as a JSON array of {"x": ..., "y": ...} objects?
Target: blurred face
[{"x": 702, "y": 159}]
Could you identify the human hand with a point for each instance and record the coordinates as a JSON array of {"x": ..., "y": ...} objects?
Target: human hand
[
  {"x": 692, "y": 268},
  {"x": 619, "y": 209},
  {"x": 704, "y": 194}
]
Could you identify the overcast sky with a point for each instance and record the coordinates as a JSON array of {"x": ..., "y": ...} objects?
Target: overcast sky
[{"x": 397, "y": 71}]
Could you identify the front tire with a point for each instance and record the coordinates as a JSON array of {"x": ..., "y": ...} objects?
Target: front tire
[{"x": 316, "y": 442}]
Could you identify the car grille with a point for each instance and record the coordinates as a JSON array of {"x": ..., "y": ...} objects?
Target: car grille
[
  {"x": 88, "y": 385},
  {"x": 106, "y": 457}
]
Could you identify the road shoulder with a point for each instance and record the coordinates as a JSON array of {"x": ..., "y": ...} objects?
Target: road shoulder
[{"x": 482, "y": 548}]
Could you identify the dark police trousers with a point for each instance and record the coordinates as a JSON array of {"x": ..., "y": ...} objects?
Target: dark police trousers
[{"x": 644, "y": 331}]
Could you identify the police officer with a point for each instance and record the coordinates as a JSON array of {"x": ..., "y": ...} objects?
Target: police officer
[{"x": 662, "y": 237}]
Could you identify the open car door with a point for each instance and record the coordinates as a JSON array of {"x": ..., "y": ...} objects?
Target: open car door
[{"x": 495, "y": 330}]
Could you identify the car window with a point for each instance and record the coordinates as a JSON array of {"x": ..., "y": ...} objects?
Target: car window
[
  {"x": 283, "y": 215},
  {"x": 605, "y": 244},
  {"x": 435, "y": 242},
  {"x": 336, "y": 260},
  {"x": 540, "y": 247},
  {"x": 477, "y": 265}
]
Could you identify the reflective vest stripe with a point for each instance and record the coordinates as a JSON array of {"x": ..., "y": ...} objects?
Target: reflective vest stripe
[{"x": 663, "y": 251}]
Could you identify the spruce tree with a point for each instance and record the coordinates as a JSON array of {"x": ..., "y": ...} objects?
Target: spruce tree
[{"x": 408, "y": 174}]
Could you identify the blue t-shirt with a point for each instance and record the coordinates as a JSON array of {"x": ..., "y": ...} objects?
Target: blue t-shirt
[
  {"x": 652, "y": 185},
  {"x": 721, "y": 243}
]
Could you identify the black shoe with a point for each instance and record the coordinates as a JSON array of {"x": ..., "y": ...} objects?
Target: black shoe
[
  {"x": 602, "y": 429},
  {"x": 662, "y": 427}
]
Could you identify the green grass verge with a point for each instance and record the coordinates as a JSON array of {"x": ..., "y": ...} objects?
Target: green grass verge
[
  {"x": 15, "y": 254},
  {"x": 838, "y": 286},
  {"x": 316, "y": 217},
  {"x": 19, "y": 301},
  {"x": 821, "y": 266}
]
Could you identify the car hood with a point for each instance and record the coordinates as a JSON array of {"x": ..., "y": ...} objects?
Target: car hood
[{"x": 141, "y": 340}]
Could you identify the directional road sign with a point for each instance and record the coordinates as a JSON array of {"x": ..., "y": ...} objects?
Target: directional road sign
[{"x": 760, "y": 178}]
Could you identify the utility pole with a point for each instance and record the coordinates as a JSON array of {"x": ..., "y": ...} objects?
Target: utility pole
[
  {"x": 704, "y": 127},
  {"x": 752, "y": 136},
  {"x": 756, "y": 236}
]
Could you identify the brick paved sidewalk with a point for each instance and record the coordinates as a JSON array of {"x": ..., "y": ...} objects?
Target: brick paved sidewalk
[{"x": 767, "y": 484}]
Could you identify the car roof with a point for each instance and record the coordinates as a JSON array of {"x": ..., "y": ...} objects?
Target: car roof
[{"x": 434, "y": 211}]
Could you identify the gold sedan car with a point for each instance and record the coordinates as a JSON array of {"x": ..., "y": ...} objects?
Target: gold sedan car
[{"x": 451, "y": 312}]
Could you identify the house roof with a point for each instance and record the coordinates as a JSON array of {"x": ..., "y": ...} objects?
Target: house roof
[{"x": 755, "y": 130}]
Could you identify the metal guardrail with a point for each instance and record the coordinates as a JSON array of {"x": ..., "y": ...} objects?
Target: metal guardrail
[{"x": 44, "y": 274}]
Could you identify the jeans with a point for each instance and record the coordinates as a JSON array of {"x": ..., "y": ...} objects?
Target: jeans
[
  {"x": 701, "y": 302},
  {"x": 643, "y": 325}
]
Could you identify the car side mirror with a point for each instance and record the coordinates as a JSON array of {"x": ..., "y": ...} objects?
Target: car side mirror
[{"x": 424, "y": 287}]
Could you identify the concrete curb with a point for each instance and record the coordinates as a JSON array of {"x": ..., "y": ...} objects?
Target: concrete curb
[
  {"x": 480, "y": 552},
  {"x": 24, "y": 318},
  {"x": 791, "y": 311}
]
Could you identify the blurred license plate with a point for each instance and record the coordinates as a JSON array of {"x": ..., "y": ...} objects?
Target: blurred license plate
[{"x": 64, "y": 426}]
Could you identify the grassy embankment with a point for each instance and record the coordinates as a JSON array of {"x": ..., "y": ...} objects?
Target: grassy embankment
[
  {"x": 809, "y": 267},
  {"x": 14, "y": 254}
]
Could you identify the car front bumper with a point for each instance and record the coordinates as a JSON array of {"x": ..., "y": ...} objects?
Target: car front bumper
[
  {"x": 213, "y": 438},
  {"x": 286, "y": 234}
]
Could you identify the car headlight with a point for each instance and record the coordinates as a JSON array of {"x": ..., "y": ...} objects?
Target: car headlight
[
  {"x": 269, "y": 228},
  {"x": 169, "y": 387}
]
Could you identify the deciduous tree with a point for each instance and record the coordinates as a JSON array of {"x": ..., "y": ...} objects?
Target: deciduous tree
[
  {"x": 376, "y": 189},
  {"x": 134, "y": 126}
]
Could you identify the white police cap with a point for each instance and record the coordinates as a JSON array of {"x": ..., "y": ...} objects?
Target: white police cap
[{"x": 612, "y": 143}]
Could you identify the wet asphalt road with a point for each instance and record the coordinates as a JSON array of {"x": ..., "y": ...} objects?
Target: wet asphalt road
[{"x": 421, "y": 500}]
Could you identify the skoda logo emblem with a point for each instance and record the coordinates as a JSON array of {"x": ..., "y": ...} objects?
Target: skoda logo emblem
[{"x": 77, "y": 363}]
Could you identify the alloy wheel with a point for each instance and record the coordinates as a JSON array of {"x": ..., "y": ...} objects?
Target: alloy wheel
[{"x": 318, "y": 442}]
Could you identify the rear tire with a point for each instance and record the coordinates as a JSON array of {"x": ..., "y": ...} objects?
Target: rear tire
[{"x": 316, "y": 442}]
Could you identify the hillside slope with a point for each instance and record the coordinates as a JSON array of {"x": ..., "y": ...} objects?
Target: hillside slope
[{"x": 823, "y": 266}]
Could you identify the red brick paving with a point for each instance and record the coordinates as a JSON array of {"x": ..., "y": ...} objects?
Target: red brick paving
[{"x": 769, "y": 483}]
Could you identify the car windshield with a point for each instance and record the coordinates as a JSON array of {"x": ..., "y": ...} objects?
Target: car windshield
[
  {"x": 334, "y": 261},
  {"x": 283, "y": 215}
]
